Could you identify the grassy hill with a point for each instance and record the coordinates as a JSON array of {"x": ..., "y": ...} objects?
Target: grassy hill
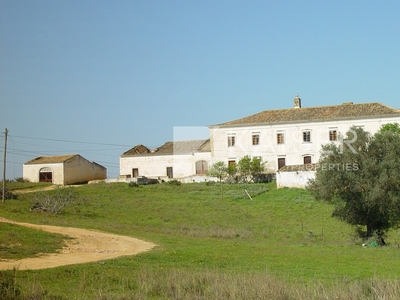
[{"x": 282, "y": 244}]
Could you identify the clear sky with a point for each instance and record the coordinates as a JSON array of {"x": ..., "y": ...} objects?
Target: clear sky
[{"x": 99, "y": 77}]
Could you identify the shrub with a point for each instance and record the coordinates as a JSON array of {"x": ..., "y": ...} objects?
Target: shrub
[
  {"x": 8, "y": 194},
  {"x": 174, "y": 182},
  {"x": 8, "y": 287},
  {"x": 133, "y": 184},
  {"x": 53, "y": 202}
]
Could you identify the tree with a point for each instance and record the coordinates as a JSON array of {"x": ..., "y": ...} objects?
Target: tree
[
  {"x": 219, "y": 170},
  {"x": 257, "y": 167},
  {"x": 249, "y": 168},
  {"x": 361, "y": 176},
  {"x": 244, "y": 168},
  {"x": 393, "y": 127}
]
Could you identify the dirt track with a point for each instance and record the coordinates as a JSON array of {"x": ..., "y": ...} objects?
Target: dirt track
[{"x": 83, "y": 247}]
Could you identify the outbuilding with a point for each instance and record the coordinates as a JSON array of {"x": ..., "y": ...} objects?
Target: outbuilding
[
  {"x": 187, "y": 161},
  {"x": 63, "y": 169}
]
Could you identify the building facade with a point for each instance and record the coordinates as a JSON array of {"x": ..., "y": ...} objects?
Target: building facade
[
  {"x": 281, "y": 137},
  {"x": 173, "y": 160},
  {"x": 63, "y": 169},
  {"x": 294, "y": 136}
]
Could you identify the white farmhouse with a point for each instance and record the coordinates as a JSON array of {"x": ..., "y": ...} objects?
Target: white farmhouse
[
  {"x": 293, "y": 136},
  {"x": 178, "y": 159},
  {"x": 63, "y": 169},
  {"x": 282, "y": 137}
]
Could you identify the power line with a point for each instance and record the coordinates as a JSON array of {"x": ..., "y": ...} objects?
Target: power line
[{"x": 69, "y": 141}]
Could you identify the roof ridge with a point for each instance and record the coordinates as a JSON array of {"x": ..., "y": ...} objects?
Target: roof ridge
[{"x": 316, "y": 113}]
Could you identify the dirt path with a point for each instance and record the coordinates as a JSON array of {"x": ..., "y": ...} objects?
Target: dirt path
[{"x": 85, "y": 246}]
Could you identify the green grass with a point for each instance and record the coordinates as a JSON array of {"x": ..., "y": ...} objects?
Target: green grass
[
  {"x": 205, "y": 242},
  {"x": 13, "y": 185},
  {"x": 18, "y": 242}
]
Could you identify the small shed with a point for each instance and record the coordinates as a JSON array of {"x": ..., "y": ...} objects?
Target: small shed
[
  {"x": 63, "y": 169},
  {"x": 295, "y": 176}
]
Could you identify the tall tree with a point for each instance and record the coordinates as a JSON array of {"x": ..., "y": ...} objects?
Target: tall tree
[{"x": 361, "y": 176}]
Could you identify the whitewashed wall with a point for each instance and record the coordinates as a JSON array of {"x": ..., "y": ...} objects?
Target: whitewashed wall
[
  {"x": 31, "y": 172},
  {"x": 74, "y": 170},
  {"x": 79, "y": 169},
  {"x": 155, "y": 166},
  {"x": 294, "y": 179},
  {"x": 293, "y": 150}
]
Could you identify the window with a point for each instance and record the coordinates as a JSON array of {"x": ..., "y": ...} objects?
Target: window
[
  {"x": 307, "y": 160},
  {"x": 307, "y": 136},
  {"x": 281, "y": 162},
  {"x": 333, "y": 135},
  {"x": 231, "y": 140},
  {"x": 256, "y": 139},
  {"x": 280, "y": 138},
  {"x": 170, "y": 172}
]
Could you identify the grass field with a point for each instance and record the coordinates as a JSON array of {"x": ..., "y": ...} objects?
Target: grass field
[{"x": 283, "y": 244}]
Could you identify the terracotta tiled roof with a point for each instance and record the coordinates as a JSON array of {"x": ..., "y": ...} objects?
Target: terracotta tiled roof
[
  {"x": 138, "y": 149},
  {"x": 175, "y": 147},
  {"x": 50, "y": 159},
  {"x": 321, "y": 113}
]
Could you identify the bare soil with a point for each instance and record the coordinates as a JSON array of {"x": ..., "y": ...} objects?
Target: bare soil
[{"x": 82, "y": 246}]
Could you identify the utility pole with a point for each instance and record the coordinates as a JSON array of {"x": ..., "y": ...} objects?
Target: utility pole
[{"x": 4, "y": 165}]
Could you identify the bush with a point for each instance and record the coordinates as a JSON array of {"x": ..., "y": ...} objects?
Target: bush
[
  {"x": 174, "y": 182},
  {"x": 8, "y": 287},
  {"x": 8, "y": 194},
  {"x": 53, "y": 202},
  {"x": 133, "y": 184},
  {"x": 21, "y": 179}
]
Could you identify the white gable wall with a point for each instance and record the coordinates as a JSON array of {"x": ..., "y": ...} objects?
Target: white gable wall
[
  {"x": 31, "y": 172},
  {"x": 293, "y": 149},
  {"x": 74, "y": 170}
]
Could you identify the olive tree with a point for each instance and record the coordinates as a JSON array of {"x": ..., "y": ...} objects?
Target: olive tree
[{"x": 361, "y": 176}]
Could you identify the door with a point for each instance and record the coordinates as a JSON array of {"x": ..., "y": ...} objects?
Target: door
[
  {"x": 135, "y": 172},
  {"x": 281, "y": 162},
  {"x": 45, "y": 175},
  {"x": 170, "y": 172}
]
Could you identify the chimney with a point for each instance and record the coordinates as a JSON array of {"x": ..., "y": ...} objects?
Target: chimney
[{"x": 297, "y": 101}]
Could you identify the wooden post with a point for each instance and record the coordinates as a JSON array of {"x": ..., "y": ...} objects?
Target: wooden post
[{"x": 4, "y": 165}]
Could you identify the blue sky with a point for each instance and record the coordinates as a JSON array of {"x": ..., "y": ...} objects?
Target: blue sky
[{"x": 99, "y": 77}]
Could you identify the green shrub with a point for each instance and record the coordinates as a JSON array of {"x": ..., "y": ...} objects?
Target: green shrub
[
  {"x": 133, "y": 184},
  {"x": 8, "y": 286},
  {"x": 174, "y": 182},
  {"x": 8, "y": 194}
]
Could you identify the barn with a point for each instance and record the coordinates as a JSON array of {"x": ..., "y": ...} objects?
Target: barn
[{"x": 63, "y": 169}]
